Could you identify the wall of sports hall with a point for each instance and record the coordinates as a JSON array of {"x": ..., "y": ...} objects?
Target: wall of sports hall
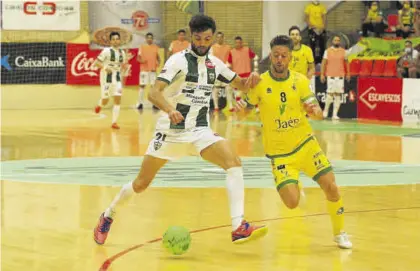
[{"x": 255, "y": 21}]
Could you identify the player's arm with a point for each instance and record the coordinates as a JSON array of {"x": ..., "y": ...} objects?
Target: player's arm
[
  {"x": 309, "y": 101},
  {"x": 229, "y": 60},
  {"x": 324, "y": 66},
  {"x": 170, "y": 49},
  {"x": 158, "y": 59},
  {"x": 139, "y": 57},
  {"x": 156, "y": 97},
  {"x": 99, "y": 62},
  {"x": 311, "y": 62}
]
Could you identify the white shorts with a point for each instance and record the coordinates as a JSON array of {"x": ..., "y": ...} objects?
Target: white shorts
[
  {"x": 335, "y": 84},
  {"x": 111, "y": 89},
  {"x": 147, "y": 78},
  {"x": 171, "y": 144}
]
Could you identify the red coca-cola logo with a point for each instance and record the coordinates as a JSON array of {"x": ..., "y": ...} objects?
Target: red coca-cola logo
[
  {"x": 81, "y": 68},
  {"x": 82, "y": 65}
]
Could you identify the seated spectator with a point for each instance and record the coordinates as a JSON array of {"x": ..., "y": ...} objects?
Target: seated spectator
[
  {"x": 406, "y": 17},
  {"x": 374, "y": 21},
  {"x": 409, "y": 62}
]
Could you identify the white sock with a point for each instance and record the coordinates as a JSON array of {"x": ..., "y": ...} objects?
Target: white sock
[
  {"x": 235, "y": 188},
  {"x": 115, "y": 113},
  {"x": 100, "y": 103},
  {"x": 336, "y": 105},
  {"x": 328, "y": 102},
  {"x": 122, "y": 197},
  {"x": 229, "y": 96},
  {"x": 141, "y": 95}
]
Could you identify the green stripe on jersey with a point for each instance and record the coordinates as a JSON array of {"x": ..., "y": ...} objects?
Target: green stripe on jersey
[
  {"x": 211, "y": 72},
  {"x": 192, "y": 74},
  {"x": 201, "y": 120},
  {"x": 184, "y": 110}
]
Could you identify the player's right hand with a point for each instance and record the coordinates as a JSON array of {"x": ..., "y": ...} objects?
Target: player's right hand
[
  {"x": 323, "y": 79},
  {"x": 175, "y": 116},
  {"x": 240, "y": 105},
  {"x": 253, "y": 80}
]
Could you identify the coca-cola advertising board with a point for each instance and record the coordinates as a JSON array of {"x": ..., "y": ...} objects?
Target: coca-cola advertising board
[
  {"x": 81, "y": 71},
  {"x": 380, "y": 99}
]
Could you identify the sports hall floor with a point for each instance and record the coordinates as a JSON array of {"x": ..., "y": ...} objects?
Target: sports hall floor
[{"x": 62, "y": 167}]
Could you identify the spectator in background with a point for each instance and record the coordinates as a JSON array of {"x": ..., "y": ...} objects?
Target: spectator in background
[
  {"x": 408, "y": 63},
  {"x": 406, "y": 17},
  {"x": 240, "y": 59},
  {"x": 302, "y": 57},
  {"x": 180, "y": 44},
  {"x": 220, "y": 50},
  {"x": 148, "y": 57},
  {"x": 334, "y": 66},
  {"x": 316, "y": 17},
  {"x": 374, "y": 21}
]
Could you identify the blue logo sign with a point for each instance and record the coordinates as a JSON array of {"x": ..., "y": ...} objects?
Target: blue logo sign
[{"x": 5, "y": 62}]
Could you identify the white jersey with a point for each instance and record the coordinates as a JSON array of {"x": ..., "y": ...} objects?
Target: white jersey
[
  {"x": 111, "y": 58},
  {"x": 191, "y": 79}
]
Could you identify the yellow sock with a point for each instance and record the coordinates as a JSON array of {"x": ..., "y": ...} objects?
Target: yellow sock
[{"x": 336, "y": 211}]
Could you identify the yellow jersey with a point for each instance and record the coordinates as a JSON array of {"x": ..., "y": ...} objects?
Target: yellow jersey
[
  {"x": 284, "y": 122},
  {"x": 301, "y": 59},
  {"x": 315, "y": 14}
]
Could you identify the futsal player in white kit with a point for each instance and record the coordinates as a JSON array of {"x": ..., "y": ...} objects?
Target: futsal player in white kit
[
  {"x": 111, "y": 61},
  {"x": 188, "y": 78}
]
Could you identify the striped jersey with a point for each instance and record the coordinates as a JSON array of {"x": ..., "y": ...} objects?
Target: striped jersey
[
  {"x": 112, "y": 58},
  {"x": 191, "y": 79}
]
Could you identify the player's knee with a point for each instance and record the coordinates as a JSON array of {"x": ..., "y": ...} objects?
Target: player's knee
[
  {"x": 291, "y": 202},
  {"x": 233, "y": 162},
  {"x": 140, "y": 184}
]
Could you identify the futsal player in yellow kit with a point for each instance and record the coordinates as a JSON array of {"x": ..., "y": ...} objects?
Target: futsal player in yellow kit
[{"x": 285, "y": 100}]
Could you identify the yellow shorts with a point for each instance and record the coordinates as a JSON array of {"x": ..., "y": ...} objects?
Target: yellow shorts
[{"x": 308, "y": 157}]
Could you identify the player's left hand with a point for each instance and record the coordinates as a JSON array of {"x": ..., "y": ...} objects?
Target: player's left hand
[
  {"x": 253, "y": 80},
  {"x": 311, "y": 108}
]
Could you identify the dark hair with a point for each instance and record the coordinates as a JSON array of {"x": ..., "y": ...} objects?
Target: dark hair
[
  {"x": 149, "y": 34},
  {"x": 200, "y": 23},
  {"x": 295, "y": 27},
  {"x": 238, "y": 38},
  {"x": 282, "y": 40},
  {"x": 114, "y": 33},
  {"x": 336, "y": 36},
  {"x": 220, "y": 33},
  {"x": 181, "y": 31},
  {"x": 409, "y": 41}
]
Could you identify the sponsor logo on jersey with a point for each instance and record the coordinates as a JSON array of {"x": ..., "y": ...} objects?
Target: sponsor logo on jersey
[
  {"x": 210, "y": 64},
  {"x": 157, "y": 145},
  {"x": 269, "y": 90},
  {"x": 286, "y": 124}
]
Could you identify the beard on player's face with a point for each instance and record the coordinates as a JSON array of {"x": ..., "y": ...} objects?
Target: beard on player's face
[
  {"x": 199, "y": 50},
  {"x": 278, "y": 68}
]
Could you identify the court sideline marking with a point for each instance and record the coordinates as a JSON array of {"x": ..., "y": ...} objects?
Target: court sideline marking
[{"x": 107, "y": 263}]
